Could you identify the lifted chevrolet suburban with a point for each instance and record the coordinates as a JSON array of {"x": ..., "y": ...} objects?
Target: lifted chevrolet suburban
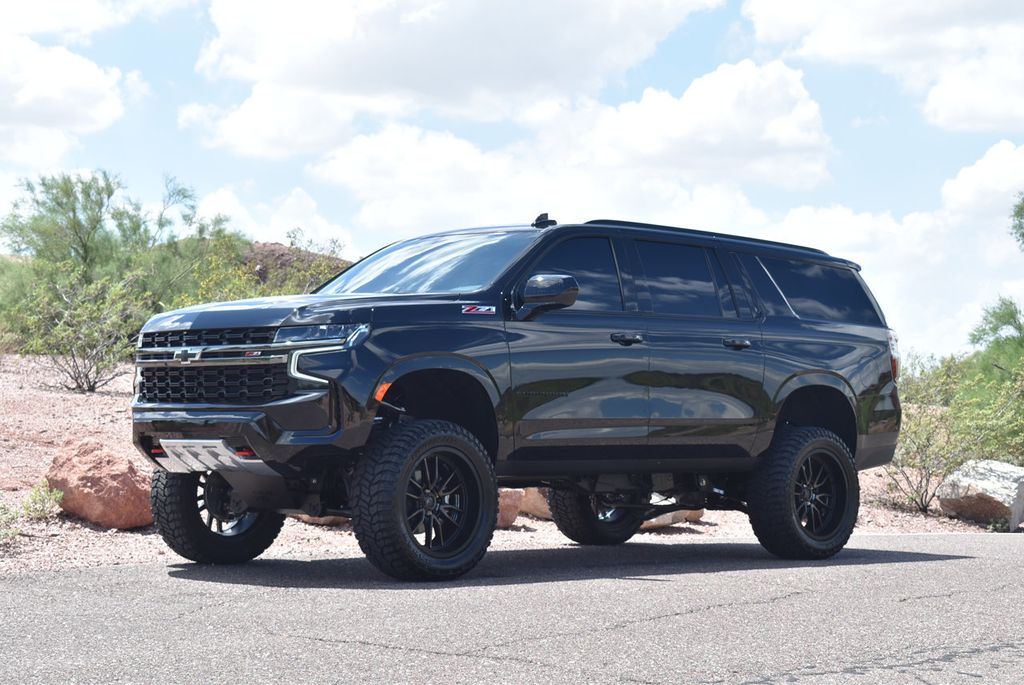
[{"x": 631, "y": 369}]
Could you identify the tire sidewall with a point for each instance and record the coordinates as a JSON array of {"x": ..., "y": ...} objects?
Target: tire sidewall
[{"x": 487, "y": 506}]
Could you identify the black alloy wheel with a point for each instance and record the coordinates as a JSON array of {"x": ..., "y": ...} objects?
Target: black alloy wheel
[
  {"x": 820, "y": 495},
  {"x": 213, "y": 497},
  {"x": 425, "y": 501},
  {"x": 442, "y": 502},
  {"x": 595, "y": 519},
  {"x": 193, "y": 515},
  {"x": 804, "y": 496}
]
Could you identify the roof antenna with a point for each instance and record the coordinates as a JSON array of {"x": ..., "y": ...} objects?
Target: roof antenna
[{"x": 542, "y": 221}]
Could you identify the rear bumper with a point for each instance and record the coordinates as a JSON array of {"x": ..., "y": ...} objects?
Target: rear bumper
[{"x": 878, "y": 446}]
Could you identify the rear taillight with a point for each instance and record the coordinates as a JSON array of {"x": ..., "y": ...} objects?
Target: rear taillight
[{"x": 894, "y": 354}]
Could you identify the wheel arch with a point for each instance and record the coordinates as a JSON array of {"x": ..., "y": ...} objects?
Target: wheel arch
[
  {"x": 825, "y": 400},
  {"x": 448, "y": 388}
]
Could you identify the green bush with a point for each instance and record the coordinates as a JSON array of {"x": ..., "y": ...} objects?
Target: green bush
[
  {"x": 42, "y": 503},
  {"x": 8, "y": 518},
  {"x": 84, "y": 329},
  {"x": 997, "y": 415},
  {"x": 932, "y": 442}
]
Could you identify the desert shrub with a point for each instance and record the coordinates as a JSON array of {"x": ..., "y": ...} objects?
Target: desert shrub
[
  {"x": 8, "y": 519},
  {"x": 84, "y": 329},
  {"x": 313, "y": 263},
  {"x": 933, "y": 441},
  {"x": 42, "y": 503},
  {"x": 221, "y": 275},
  {"x": 227, "y": 272},
  {"x": 996, "y": 412}
]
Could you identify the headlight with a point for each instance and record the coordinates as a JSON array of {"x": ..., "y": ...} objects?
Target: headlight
[{"x": 326, "y": 332}]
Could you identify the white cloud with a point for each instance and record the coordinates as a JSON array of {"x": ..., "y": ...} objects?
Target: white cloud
[
  {"x": 966, "y": 60},
  {"x": 276, "y": 122},
  {"x": 465, "y": 58},
  {"x": 48, "y": 96},
  {"x": 272, "y": 221},
  {"x": 409, "y": 181},
  {"x": 661, "y": 158},
  {"x": 77, "y": 20},
  {"x": 741, "y": 121}
]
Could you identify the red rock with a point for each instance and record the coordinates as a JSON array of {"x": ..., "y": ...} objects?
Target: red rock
[
  {"x": 321, "y": 520},
  {"x": 509, "y": 500},
  {"x": 535, "y": 503},
  {"x": 101, "y": 486}
]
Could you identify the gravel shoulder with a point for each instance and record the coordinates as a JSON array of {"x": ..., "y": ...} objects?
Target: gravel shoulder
[{"x": 39, "y": 416}]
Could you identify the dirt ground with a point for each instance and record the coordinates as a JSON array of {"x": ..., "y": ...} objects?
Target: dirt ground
[{"x": 38, "y": 416}]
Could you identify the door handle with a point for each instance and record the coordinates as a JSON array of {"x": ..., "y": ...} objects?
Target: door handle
[
  {"x": 627, "y": 339},
  {"x": 736, "y": 343}
]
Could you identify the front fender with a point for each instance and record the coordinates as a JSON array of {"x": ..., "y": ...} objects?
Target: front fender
[{"x": 429, "y": 361}]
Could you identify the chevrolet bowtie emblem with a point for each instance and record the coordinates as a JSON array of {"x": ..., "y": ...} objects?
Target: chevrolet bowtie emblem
[{"x": 185, "y": 356}]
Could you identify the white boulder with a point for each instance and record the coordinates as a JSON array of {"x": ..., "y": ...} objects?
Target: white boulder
[{"x": 983, "y": 490}]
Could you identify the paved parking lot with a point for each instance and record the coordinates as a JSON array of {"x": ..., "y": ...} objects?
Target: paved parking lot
[{"x": 924, "y": 608}]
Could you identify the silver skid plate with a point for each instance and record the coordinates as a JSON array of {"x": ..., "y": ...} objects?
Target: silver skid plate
[{"x": 187, "y": 456}]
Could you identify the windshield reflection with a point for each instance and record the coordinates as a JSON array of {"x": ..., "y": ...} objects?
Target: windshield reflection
[{"x": 454, "y": 263}]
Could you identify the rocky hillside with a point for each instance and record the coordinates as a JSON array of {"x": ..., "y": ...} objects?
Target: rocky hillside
[{"x": 272, "y": 262}]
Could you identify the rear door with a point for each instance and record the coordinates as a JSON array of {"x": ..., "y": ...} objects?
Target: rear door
[
  {"x": 578, "y": 393},
  {"x": 707, "y": 362}
]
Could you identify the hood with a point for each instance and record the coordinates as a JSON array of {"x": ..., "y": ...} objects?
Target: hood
[{"x": 288, "y": 310}]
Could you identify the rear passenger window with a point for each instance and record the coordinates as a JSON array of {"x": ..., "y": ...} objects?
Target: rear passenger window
[
  {"x": 679, "y": 279},
  {"x": 816, "y": 291},
  {"x": 771, "y": 299},
  {"x": 591, "y": 261}
]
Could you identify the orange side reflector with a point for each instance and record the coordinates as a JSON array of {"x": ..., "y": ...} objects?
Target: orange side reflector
[{"x": 382, "y": 390}]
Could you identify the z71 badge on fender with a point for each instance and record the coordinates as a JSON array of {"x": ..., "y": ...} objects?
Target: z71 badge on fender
[{"x": 479, "y": 309}]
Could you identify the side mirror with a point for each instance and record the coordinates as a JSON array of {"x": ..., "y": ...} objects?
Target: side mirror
[{"x": 544, "y": 292}]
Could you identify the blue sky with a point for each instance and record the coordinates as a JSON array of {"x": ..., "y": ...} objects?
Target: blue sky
[{"x": 891, "y": 136}]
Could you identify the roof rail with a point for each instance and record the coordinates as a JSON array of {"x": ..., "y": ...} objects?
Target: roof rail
[{"x": 706, "y": 234}]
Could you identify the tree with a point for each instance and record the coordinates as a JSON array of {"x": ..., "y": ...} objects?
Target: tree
[
  {"x": 65, "y": 218},
  {"x": 1017, "y": 220},
  {"x": 1003, "y": 320}
]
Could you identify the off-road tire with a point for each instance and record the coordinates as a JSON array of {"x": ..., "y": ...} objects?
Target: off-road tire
[
  {"x": 773, "y": 498},
  {"x": 379, "y": 509},
  {"x": 573, "y": 513},
  {"x": 177, "y": 518}
]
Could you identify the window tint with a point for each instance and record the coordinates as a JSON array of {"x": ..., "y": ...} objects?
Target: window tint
[
  {"x": 740, "y": 284},
  {"x": 591, "y": 261},
  {"x": 771, "y": 299},
  {"x": 724, "y": 291},
  {"x": 679, "y": 279},
  {"x": 816, "y": 291},
  {"x": 453, "y": 263}
]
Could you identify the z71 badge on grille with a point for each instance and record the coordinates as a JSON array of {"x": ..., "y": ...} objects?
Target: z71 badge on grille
[{"x": 479, "y": 309}]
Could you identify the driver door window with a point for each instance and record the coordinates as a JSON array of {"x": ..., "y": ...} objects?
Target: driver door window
[{"x": 591, "y": 261}]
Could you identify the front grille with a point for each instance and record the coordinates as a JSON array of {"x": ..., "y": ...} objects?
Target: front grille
[
  {"x": 209, "y": 336},
  {"x": 256, "y": 384}
]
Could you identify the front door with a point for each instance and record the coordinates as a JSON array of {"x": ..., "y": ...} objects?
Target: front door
[
  {"x": 578, "y": 374},
  {"x": 707, "y": 359}
]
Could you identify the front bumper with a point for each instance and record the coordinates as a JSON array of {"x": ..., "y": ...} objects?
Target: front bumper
[{"x": 318, "y": 418}]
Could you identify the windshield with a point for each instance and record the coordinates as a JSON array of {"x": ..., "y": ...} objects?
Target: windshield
[{"x": 455, "y": 263}]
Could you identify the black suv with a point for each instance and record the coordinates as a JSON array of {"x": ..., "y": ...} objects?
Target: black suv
[{"x": 631, "y": 369}]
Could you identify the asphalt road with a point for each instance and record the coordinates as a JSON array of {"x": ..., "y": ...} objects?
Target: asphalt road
[{"x": 908, "y": 608}]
